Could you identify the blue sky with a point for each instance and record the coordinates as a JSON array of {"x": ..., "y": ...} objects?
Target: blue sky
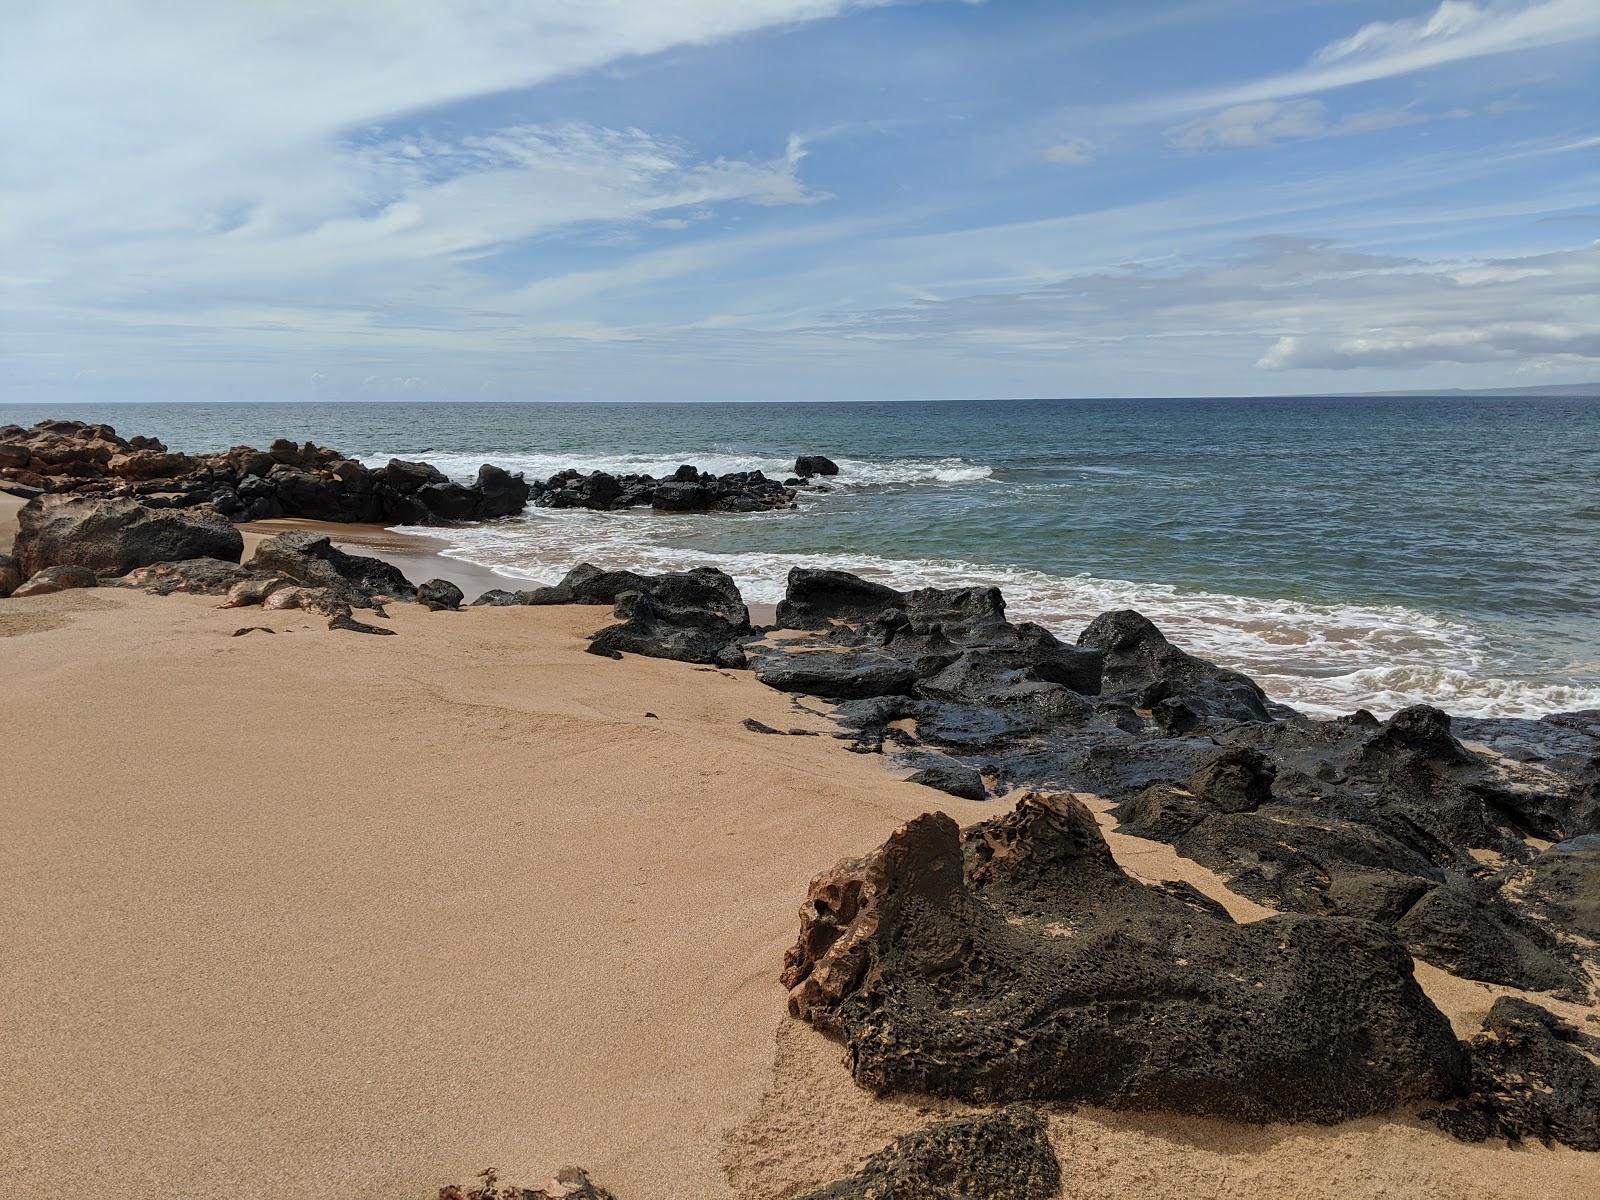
[{"x": 795, "y": 199}]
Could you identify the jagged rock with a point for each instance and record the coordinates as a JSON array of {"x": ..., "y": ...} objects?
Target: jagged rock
[
  {"x": 348, "y": 623},
  {"x": 1019, "y": 962},
  {"x": 953, "y": 777},
  {"x": 197, "y": 576},
  {"x": 10, "y": 575},
  {"x": 1462, "y": 926},
  {"x": 406, "y": 477},
  {"x": 836, "y": 676},
  {"x": 1143, "y": 668},
  {"x": 1004, "y": 1155},
  {"x": 686, "y": 490},
  {"x": 695, "y": 616},
  {"x": 254, "y": 591},
  {"x": 501, "y": 598},
  {"x": 57, "y": 579},
  {"x": 112, "y": 537},
  {"x": 815, "y": 598},
  {"x": 1533, "y": 1078},
  {"x": 815, "y": 464},
  {"x": 327, "y": 601},
  {"x": 313, "y": 560},
  {"x": 1565, "y": 885},
  {"x": 440, "y": 595},
  {"x": 569, "y": 1183}
]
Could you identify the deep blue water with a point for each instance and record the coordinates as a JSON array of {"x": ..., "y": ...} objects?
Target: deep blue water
[{"x": 1345, "y": 551}]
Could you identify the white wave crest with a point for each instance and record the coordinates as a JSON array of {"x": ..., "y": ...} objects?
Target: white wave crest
[
  {"x": 1321, "y": 658},
  {"x": 853, "y": 472}
]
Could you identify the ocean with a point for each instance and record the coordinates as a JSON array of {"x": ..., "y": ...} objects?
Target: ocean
[{"x": 1369, "y": 552}]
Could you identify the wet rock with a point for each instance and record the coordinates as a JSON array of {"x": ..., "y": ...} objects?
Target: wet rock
[
  {"x": 815, "y": 464},
  {"x": 406, "y": 477},
  {"x": 10, "y": 575},
  {"x": 686, "y": 490},
  {"x": 1237, "y": 780},
  {"x": 953, "y": 777},
  {"x": 440, "y": 595},
  {"x": 196, "y": 576},
  {"x": 113, "y": 537},
  {"x": 1003, "y": 1154},
  {"x": 681, "y": 497},
  {"x": 57, "y": 579},
  {"x": 314, "y": 561},
  {"x": 1019, "y": 962},
  {"x": 1533, "y": 1078},
  {"x": 1143, "y": 668}
]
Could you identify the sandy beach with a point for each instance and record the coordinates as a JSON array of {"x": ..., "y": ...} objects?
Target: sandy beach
[{"x": 306, "y": 913}]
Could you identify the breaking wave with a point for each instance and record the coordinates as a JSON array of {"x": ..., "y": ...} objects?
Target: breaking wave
[
  {"x": 853, "y": 472},
  {"x": 1324, "y": 659}
]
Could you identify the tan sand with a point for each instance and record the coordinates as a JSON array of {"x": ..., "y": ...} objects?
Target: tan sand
[{"x": 313, "y": 913}]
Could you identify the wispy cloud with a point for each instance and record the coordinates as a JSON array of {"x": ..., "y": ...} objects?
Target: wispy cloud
[
  {"x": 1071, "y": 152},
  {"x": 1267, "y": 121},
  {"x": 1457, "y": 31}
]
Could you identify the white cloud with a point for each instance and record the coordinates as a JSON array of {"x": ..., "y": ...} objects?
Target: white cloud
[
  {"x": 1267, "y": 121},
  {"x": 1071, "y": 152},
  {"x": 1457, "y": 31}
]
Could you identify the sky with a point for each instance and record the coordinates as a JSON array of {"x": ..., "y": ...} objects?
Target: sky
[{"x": 795, "y": 199}]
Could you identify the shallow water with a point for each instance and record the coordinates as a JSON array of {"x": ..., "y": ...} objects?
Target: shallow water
[{"x": 1346, "y": 552}]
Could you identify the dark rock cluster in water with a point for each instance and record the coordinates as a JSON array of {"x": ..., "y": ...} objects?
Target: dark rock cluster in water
[{"x": 314, "y": 482}]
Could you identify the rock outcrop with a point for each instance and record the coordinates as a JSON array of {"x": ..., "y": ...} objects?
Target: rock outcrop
[
  {"x": 314, "y": 561},
  {"x": 440, "y": 595},
  {"x": 113, "y": 537},
  {"x": 1533, "y": 1078},
  {"x": 686, "y": 490},
  {"x": 1018, "y": 961},
  {"x": 10, "y": 575},
  {"x": 1003, "y": 1154},
  {"x": 57, "y": 579},
  {"x": 1398, "y": 822},
  {"x": 697, "y": 616}
]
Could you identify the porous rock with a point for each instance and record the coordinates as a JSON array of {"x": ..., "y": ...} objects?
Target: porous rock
[
  {"x": 113, "y": 537},
  {"x": 1533, "y": 1078},
  {"x": 1001, "y": 1154},
  {"x": 1019, "y": 962}
]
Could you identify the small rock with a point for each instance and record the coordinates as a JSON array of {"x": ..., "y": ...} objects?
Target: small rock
[
  {"x": 58, "y": 579},
  {"x": 440, "y": 595}
]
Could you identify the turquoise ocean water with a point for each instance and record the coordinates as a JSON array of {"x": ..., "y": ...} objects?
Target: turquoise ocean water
[{"x": 1344, "y": 551}]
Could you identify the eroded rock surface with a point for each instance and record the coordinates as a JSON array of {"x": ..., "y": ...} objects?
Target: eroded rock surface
[
  {"x": 1003, "y": 1154},
  {"x": 314, "y": 561},
  {"x": 1401, "y": 822},
  {"x": 695, "y": 616},
  {"x": 113, "y": 537},
  {"x": 1017, "y": 961},
  {"x": 1533, "y": 1078}
]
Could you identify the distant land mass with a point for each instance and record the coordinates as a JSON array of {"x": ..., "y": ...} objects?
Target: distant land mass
[{"x": 1543, "y": 389}]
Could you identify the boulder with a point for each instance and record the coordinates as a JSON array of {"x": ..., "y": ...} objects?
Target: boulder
[
  {"x": 1471, "y": 931},
  {"x": 955, "y": 778},
  {"x": 440, "y": 595},
  {"x": 1019, "y": 962},
  {"x": 112, "y": 537},
  {"x": 815, "y": 464},
  {"x": 406, "y": 477},
  {"x": 57, "y": 579},
  {"x": 694, "y": 616},
  {"x": 10, "y": 575},
  {"x": 1143, "y": 668},
  {"x": 815, "y": 598},
  {"x": 1005, "y": 1154},
  {"x": 313, "y": 560},
  {"x": 1533, "y": 1078},
  {"x": 681, "y": 497}
]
